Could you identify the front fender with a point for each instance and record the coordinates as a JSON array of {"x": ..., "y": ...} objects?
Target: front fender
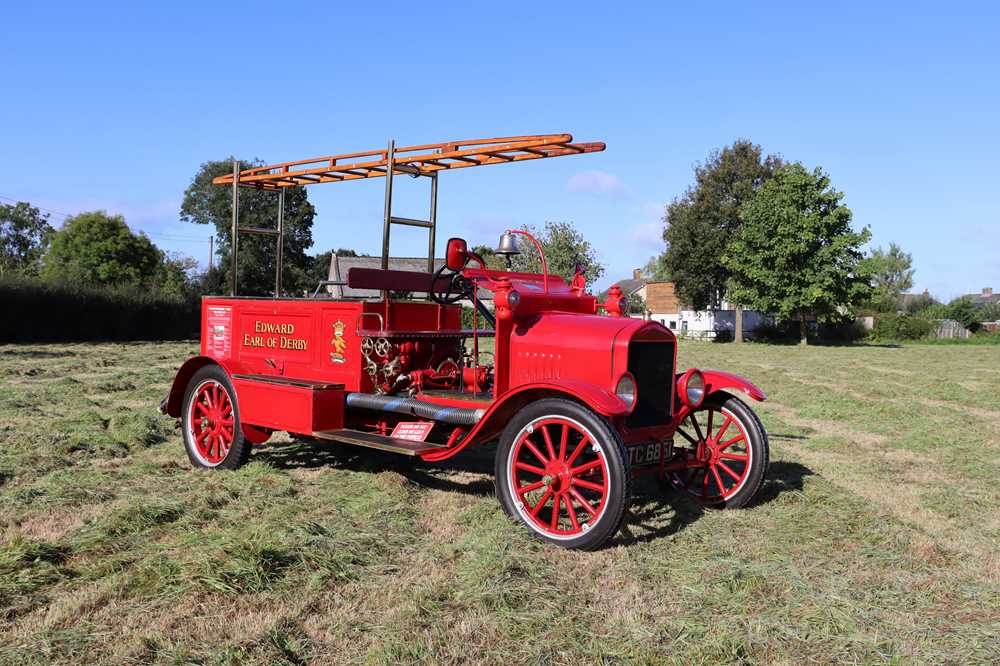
[
  {"x": 597, "y": 398},
  {"x": 717, "y": 380},
  {"x": 495, "y": 420}
]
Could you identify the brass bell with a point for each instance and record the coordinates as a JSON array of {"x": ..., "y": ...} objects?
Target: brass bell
[{"x": 508, "y": 245}]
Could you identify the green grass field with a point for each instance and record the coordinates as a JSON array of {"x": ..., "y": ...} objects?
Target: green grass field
[{"x": 875, "y": 540}]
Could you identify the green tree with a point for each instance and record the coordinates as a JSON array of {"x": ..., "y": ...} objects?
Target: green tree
[
  {"x": 892, "y": 274},
  {"x": 175, "y": 275},
  {"x": 564, "y": 247},
  {"x": 637, "y": 304},
  {"x": 206, "y": 203},
  {"x": 489, "y": 255},
  {"x": 655, "y": 271},
  {"x": 699, "y": 224},
  {"x": 989, "y": 312},
  {"x": 965, "y": 312},
  {"x": 99, "y": 249},
  {"x": 796, "y": 254},
  {"x": 24, "y": 234}
]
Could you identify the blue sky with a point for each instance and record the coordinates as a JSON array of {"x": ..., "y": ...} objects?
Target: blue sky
[{"x": 114, "y": 106}]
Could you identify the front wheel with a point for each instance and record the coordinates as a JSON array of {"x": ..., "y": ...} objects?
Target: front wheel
[
  {"x": 562, "y": 470},
  {"x": 723, "y": 446}
]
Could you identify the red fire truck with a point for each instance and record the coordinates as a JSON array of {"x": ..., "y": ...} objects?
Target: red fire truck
[{"x": 581, "y": 397}]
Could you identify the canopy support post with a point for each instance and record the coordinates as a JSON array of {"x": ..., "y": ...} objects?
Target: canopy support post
[
  {"x": 387, "y": 221},
  {"x": 281, "y": 242},
  {"x": 433, "y": 221},
  {"x": 235, "y": 233}
]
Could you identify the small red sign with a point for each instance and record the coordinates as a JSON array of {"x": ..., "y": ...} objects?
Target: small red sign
[{"x": 415, "y": 431}]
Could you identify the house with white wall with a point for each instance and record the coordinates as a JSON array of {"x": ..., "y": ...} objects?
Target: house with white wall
[{"x": 663, "y": 305}]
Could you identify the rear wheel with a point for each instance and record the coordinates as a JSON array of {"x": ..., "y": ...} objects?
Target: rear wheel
[
  {"x": 562, "y": 470},
  {"x": 724, "y": 446},
  {"x": 210, "y": 421}
]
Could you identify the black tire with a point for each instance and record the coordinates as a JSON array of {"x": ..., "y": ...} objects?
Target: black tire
[
  {"x": 756, "y": 446},
  {"x": 609, "y": 467},
  {"x": 238, "y": 452}
]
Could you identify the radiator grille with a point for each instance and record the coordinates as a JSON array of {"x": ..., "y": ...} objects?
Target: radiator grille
[{"x": 652, "y": 365}]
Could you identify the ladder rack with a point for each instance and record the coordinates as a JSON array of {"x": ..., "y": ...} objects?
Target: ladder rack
[{"x": 425, "y": 160}]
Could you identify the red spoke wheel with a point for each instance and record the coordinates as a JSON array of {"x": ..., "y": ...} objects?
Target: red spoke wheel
[
  {"x": 562, "y": 471},
  {"x": 210, "y": 421},
  {"x": 724, "y": 446}
]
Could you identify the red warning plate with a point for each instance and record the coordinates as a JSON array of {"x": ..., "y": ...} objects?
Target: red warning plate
[{"x": 415, "y": 431}]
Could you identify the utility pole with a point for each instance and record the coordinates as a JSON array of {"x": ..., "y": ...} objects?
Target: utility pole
[
  {"x": 739, "y": 324},
  {"x": 210, "y": 251}
]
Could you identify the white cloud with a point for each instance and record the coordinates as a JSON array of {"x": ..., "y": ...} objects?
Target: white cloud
[{"x": 596, "y": 182}]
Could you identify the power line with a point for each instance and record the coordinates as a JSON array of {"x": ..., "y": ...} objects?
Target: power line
[
  {"x": 170, "y": 237},
  {"x": 47, "y": 210}
]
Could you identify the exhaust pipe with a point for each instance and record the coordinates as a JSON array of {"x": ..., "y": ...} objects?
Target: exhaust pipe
[{"x": 414, "y": 407}]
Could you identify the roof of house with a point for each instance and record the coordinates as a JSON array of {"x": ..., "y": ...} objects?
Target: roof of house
[
  {"x": 984, "y": 297},
  {"x": 339, "y": 267},
  {"x": 629, "y": 286}
]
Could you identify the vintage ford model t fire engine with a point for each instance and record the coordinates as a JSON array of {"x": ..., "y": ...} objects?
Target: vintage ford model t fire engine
[{"x": 580, "y": 396}]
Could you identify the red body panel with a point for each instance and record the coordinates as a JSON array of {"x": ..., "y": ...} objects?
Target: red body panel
[
  {"x": 315, "y": 340},
  {"x": 292, "y": 408},
  {"x": 309, "y": 339}
]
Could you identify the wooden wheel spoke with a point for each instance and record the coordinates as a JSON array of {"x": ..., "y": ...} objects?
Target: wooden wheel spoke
[
  {"x": 586, "y": 467},
  {"x": 563, "y": 439},
  {"x": 697, "y": 427},
  {"x": 729, "y": 471},
  {"x": 577, "y": 451},
  {"x": 523, "y": 490},
  {"x": 718, "y": 480},
  {"x": 555, "y": 513},
  {"x": 587, "y": 484},
  {"x": 538, "y": 507},
  {"x": 529, "y": 468},
  {"x": 548, "y": 442},
  {"x": 725, "y": 426},
  {"x": 583, "y": 502},
  {"x": 688, "y": 437},
  {"x": 726, "y": 455},
  {"x": 726, "y": 444},
  {"x": 534, "y": 449},
  {"x": 571, "y": 510}
]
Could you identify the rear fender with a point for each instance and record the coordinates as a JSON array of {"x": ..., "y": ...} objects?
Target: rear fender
[
  {"x": 717, "y": 380},
  {"x": 172, "y": 404}
]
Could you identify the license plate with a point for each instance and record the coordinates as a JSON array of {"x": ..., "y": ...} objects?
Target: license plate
[{"x": 642, "y": 455}]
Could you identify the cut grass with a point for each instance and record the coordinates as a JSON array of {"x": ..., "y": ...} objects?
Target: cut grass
[{"x": 874, "y": 539}]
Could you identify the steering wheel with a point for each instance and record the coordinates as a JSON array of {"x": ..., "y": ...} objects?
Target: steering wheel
[{"x": 459, "y": 288}]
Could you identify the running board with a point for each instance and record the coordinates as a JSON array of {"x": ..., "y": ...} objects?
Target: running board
[{"x": 407, "y": 447}]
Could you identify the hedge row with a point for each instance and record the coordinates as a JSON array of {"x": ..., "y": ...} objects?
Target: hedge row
[
  {"x": 36, "y": 311},
  {"x": 901, "y": 327}
]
